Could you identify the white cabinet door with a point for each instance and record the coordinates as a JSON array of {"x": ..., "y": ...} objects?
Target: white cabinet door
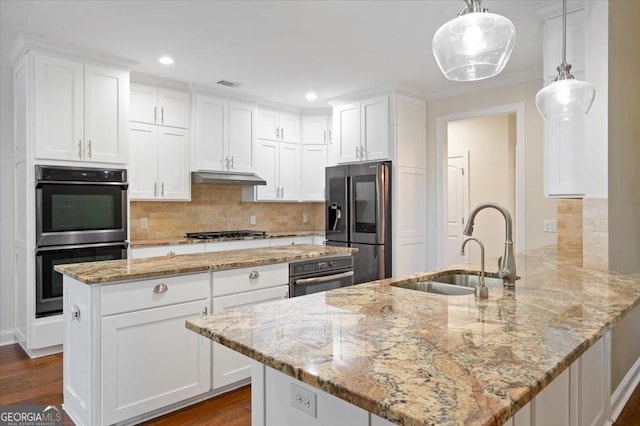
[
  {"x": 143, "y": 103},
  {"x": 551, "y": 406},
  {"x": 411, "y": 256},
  {"x": 564, "y": 153},
  {"x": 59, "y": 109},
  {"x": 347, "y": 119},
  {"x": 593, "y": 390},
  {"x": 289, "y": 128},
  {"x": 375, "y": 128},
  {"x": 411, "y": 142},
  {"x": 229, "y": 366},
  {"x": 143, "y": 161},
  {"x": 151, "y": 360},
  {"x": 173, "y": 108},
  {"x": 211, "y": 133},
  {"x": 314, "y": 129},
  {"x": 268, "y": 127},
  {"x": 174, "y": 182},
  {"x": 314, "y": 160},
  {"x": 289, "y": 172},
  {"x": 241, "y": 136},
  {"x": 266, "y": 166},
  {"x": 106, "y": 101}
]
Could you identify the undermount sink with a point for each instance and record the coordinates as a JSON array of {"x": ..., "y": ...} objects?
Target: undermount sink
[
  {"x": 455, "y": 283},
  {"x": 467, "y": 280},
  {"x": 438, "y": 288}
]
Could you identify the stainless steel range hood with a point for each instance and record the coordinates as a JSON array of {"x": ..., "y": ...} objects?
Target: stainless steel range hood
[{"x": 226, "y": 178}]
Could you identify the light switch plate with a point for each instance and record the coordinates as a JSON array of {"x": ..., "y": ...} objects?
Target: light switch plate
[
  {"x": 305, "y": 218},
  {"x": 304, "y": 400},
  {"x": 252, "y": 220},
  {"x": 144, "y": 223}
]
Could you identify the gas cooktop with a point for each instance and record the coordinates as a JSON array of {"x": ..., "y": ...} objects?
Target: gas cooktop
[{"x": 213, "y": 235}]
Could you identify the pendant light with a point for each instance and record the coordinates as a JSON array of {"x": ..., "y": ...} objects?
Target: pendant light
[
  {"x": 475, "y": 45},
  {"x": 565, "y": 98}
]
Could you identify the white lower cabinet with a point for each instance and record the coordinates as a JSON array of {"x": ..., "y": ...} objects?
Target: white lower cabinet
[
  {"x": 229, "y": 366},
  {"x": 150, "y": 360}
]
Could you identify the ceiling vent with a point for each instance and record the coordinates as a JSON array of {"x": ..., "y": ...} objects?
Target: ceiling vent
[{"x": 229, "y": 83}]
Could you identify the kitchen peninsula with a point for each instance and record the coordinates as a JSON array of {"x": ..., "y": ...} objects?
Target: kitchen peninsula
[
  {"x": 127, "y": 354},
  {"x": 538, "y": 354}
]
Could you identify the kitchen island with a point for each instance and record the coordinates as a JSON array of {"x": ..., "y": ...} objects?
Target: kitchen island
[
  {"x": 128, "y": 356},
  {"x": 536, "y": 354}
]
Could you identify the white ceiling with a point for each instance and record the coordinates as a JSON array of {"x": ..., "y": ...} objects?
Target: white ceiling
[{"x": 279, "y": 50}]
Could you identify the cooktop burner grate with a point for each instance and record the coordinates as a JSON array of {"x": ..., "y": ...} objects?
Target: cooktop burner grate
[{"x": 225, "y": 234}]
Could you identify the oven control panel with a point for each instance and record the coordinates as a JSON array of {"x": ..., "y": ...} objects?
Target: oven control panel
[{"x": 321, "y": 265}]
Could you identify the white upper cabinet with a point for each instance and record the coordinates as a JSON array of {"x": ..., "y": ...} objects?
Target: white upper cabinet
[
  {"x": 80, "y": 111},
  {"x": 278, "y": 163},
  {"x": 278, "y": 126},
  {"x": 225, "y": 135},
  {"x": 315, "y": 129},
  {"x": 159, "y": 166},
  {"x": 411, "y": 132},
  {"x": 160, "y": 106},
  {"x": 564, "y": 141},
  {"x": 363, "y": 130},
  {"x": 314, "y": 160}
]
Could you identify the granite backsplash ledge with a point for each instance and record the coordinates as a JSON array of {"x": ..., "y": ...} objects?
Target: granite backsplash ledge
[{"x": 221, "y": 208}]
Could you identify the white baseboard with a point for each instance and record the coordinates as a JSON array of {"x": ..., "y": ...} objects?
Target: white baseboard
[
  {"x": 37, "y": 353},
  {"x": 7, "y": 337},
  {"x": 624, "y": 390}
]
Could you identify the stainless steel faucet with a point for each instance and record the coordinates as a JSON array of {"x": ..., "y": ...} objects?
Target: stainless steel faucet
[
  {"x": 507, "y": 262},
  {"x": 481, "y": 291}
]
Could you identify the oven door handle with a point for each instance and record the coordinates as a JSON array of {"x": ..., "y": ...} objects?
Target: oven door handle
[
  {"x": 40, "y": 183},
  {"x": 122, "y": 244},
  {"x": 318, "y": 280}
]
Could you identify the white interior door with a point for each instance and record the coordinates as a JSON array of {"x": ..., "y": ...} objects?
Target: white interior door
[{"x": 457, "y": 207}]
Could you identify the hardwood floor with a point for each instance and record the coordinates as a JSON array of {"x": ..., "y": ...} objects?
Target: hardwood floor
[{"x": 39, "y": 381}]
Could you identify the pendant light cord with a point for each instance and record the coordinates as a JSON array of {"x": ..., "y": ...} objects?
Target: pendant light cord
[{"x": 564, "y": 31}]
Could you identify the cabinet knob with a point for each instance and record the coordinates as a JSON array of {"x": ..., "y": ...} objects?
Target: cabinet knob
[
  {"x": 160, "y": 288},
  {"x": 254, "y": 274}
]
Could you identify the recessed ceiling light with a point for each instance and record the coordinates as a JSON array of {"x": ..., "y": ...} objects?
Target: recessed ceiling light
[
  {"x": 166, "y": 60},
  {"x": 311, "y": 96}
]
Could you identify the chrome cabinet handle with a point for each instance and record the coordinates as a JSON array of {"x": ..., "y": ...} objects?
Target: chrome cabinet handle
[
  {"x": 155, "y": 189},
  {"x": 231, "y": 168},
  {"x": 162, "y": 114},
  {"x": 277, "y": 132},
  {"x": 80, "y": 148},
  {"x": 282, "y": 192},
  {"x": 160, "y": 288},
  {"x": 253, "y": 275},
  {"x": 155, "y": 114},
  {"x": 282, "y": 133},
  {"x": 89, "y": 148},
  {"x": 163, "y": 189},
  {"x": 325, "y": 135},
  {"x": 357, "y": 152},
  {"x": 226, "y": 163},
  {"x": 329, "y": 136}
]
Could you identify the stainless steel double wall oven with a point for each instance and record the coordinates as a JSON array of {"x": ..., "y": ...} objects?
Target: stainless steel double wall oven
[{"x": 81, "y": 216}]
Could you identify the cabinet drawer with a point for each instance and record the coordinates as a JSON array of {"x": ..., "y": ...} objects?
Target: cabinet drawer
[
  {"x": 239, "y": 280},
  {"x": 137, "y": 295}
]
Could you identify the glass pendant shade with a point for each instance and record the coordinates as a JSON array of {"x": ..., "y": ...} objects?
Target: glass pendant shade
[
  {"x": 474, "y": 46},
  {"x": 565, "y": 99}
]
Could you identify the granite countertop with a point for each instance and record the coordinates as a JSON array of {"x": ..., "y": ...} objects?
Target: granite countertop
[
  {"x": 132, "y": 269},
  {"x": 421, "y": 358},
  {"x": 168, "y": 241}
]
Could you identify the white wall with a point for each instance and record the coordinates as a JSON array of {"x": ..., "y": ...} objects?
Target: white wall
[
  {"x": 537, "y": 208},
  {"x": 6, "y": 205},
  {"x": 491, "y": 146}
]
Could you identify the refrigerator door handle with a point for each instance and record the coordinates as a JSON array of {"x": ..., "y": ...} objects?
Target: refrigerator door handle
[{"x": 352, "y": 206}]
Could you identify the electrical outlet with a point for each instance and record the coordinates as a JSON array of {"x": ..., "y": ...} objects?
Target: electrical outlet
[
  {"x": 305, "y": 218},
  {"x": 304, "y": 400},
  {"x": 144, "y": 223},
  {"x": 550, "y": 226},
  {"x": 252, "y": 220}
]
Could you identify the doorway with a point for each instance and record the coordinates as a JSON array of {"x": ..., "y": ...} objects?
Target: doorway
[{"x": 513, "y": 197}]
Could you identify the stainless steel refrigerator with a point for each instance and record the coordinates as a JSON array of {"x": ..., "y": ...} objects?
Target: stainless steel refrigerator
[{"x": 358, "y": 214}]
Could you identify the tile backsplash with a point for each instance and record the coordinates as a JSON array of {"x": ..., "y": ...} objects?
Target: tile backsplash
[
  {"x": 221, "y": 208},
  {"x": 570, "y": 224}
]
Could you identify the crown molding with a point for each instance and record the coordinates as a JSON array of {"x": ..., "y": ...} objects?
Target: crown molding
[
  {"x": 491, "y": 83},
  {"x": 154, "y": 80},
  {"x": 25, "y": 43},
  {"x": 552, "y": 9},
  {"x": 401, "y": 88}
]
